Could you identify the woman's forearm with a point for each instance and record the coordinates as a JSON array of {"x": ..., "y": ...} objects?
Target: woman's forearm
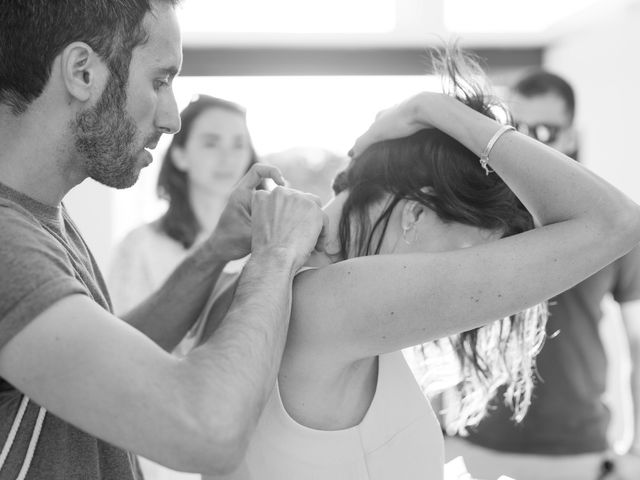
[{"x": 553, "y": 187}]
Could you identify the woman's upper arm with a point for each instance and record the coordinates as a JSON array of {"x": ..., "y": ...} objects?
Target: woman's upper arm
[{"x": 371, "y": 305}]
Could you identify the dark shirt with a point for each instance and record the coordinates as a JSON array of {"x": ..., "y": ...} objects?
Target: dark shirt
[
  {"x": 43, "y": 259},
  {"x": 567, "y": 415}
]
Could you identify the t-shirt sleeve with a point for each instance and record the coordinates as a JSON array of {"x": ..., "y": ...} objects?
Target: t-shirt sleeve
[
  {"x": 35, "y": 273},
  {"x": 627, "y": 287}
]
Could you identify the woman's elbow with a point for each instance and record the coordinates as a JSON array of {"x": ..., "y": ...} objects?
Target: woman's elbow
[{"x": 625, "y": 224}]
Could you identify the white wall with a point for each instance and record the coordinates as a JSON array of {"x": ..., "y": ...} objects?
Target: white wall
[
  {"x": 601, "y": 60},
  {"x": 90, "y": 206}
]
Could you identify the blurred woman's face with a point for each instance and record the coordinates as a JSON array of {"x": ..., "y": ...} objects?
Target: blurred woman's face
[{"x": 217, "y": 152}]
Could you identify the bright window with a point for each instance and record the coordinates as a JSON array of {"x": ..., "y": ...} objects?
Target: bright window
[
  {"x": 508, "y": 16},
  {"x": 288, "y": 16}
]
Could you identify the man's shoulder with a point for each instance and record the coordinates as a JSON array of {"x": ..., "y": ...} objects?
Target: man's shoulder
[
  {"x": 21, "y": 231},
  {"x": 19, "y": 226},
  {"x": 11, "y": 211}
]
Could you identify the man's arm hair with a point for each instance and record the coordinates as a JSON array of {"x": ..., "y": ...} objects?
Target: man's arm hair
[{"x": 167, "y": 315}]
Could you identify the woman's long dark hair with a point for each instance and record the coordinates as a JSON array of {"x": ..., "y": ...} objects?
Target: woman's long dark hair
[
  {"x": 179, "y": 221},
  {"x": 437, "y": 171}
]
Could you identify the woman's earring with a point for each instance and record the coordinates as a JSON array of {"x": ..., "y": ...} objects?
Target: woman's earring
[{"x": 406, "y": 230}]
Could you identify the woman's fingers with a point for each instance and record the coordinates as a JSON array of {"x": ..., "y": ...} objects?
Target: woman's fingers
[{"x": 362, "y": 143}]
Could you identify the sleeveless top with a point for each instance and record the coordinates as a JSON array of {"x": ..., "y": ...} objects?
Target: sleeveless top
[{"x": 399, "y": 437}]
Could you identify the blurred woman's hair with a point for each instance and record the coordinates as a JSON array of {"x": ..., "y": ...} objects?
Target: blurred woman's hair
[
  {"x": 437, "y": 171},
  {"x": 179, "y": 221}
]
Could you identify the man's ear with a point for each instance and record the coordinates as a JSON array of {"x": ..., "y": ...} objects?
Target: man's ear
[{"x": 83, "y": 72}]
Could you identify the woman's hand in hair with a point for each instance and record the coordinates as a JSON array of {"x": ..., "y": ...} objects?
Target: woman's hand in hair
[{"x": 398, "y": 121}]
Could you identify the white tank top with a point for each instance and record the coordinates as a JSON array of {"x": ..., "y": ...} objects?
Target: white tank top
[{"x": 399, "y": 438}]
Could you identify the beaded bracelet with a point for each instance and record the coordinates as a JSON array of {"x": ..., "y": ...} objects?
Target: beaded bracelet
[{"x": 484, "y": 156}]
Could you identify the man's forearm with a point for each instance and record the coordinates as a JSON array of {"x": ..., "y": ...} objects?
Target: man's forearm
[
  {"x": 168, "y": 313},
  {"x": 234, "y": 371}
]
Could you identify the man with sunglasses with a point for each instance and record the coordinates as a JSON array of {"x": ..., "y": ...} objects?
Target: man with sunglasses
[
  {"x": 564, "y": 435},
  {"x": 543, "y": 107}
]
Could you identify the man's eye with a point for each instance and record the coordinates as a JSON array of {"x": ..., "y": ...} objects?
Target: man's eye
[{"x": 160, "y": 83}]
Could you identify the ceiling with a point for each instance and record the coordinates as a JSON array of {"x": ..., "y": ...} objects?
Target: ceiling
[
  {"x": 381, "y": 23},
  {"x": 374, "y": 37}
]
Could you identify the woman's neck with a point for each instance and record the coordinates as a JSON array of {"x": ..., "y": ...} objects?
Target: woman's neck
[{"x": 319, "y": 259}]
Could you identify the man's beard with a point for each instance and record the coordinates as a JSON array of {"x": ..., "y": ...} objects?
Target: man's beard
[{"x": 105, "y": 138}]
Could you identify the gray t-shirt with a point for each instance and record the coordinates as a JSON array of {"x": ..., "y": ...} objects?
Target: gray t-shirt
[{"x": 43, "y": 259}]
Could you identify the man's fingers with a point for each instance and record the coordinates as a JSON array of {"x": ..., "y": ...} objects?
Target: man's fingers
[
  {"x": 320, "y": 244},
  {"x": 314, "y": 198},
  {"x": 259, "y": 172},
  {"x": 380, "y": 113}
]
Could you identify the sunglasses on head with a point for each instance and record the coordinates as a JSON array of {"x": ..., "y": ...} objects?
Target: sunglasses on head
[{"x": 541, "y": 131}]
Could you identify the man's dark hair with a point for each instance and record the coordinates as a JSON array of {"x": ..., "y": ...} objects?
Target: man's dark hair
[
  {"x": 34, "y": 32},
  {"x": 541, "y": 82}
]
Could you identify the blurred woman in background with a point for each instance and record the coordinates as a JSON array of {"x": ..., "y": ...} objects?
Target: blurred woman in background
[{"x": 205, "y": 159}]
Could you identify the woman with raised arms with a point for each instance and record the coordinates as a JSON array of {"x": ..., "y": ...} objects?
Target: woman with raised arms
[{"x": 428, "y": 238}]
